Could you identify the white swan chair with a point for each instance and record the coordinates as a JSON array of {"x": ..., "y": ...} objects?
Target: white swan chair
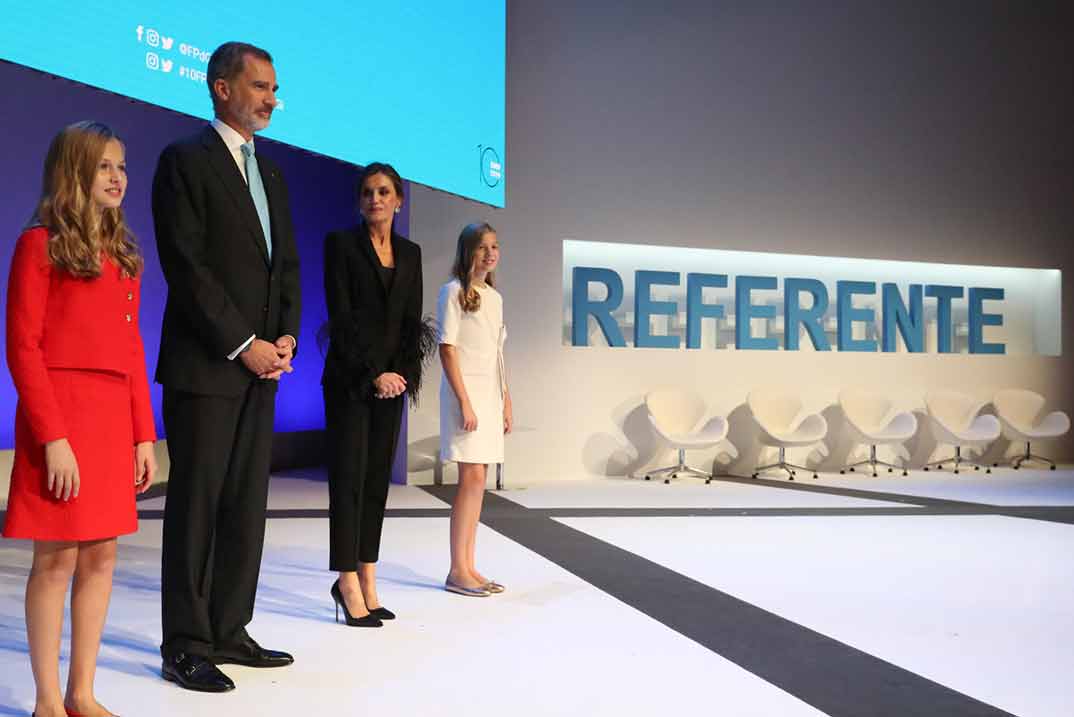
[
  {"x": 873, "y": 421},
  {"x": 784, "y": 425},
  {"x": 955, "y": 421},
  {"x": 676, "y": 417},
  {"x": 1021, "y": 414}
]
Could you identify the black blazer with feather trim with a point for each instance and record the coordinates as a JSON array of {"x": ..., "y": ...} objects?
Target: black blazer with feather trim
[{"x": 371, "y": 330}]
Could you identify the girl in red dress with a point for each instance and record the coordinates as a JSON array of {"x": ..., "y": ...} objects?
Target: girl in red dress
[{"x": 84, "y": 426}]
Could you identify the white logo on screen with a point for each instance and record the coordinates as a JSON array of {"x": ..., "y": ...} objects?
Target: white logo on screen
[
  {"x": 152, "y": 60},
  {"x": 279, "y": 105},
  {"x": 166, "y": 42},
  {"x": 138, "y": 31},
  {"x": 491, "y": 166},
  {"x": 152, "y": 38},
  {"x": 166, "y": 66}
]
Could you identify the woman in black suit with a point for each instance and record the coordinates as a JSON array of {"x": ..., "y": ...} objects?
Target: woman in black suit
[{"x": 377, "y": 343}]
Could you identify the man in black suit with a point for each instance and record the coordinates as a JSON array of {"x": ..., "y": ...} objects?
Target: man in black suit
[{"x": 226, "y": 245}]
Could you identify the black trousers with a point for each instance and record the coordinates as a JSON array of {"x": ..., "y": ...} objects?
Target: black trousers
[
  {"x": 214, "y": 515},
  {"x": 361, "y": 438}
]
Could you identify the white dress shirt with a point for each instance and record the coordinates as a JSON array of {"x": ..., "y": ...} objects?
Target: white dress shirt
[{"x": 234, "y": 142}]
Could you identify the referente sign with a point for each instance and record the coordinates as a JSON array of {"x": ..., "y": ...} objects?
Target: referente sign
[{"x": 620, "y": 295}]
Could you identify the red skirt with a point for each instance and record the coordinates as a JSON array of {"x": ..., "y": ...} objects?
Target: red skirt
[{"x": 96, "y": 407}]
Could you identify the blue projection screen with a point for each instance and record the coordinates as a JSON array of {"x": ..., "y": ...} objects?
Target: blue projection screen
[{"x": 419, "y": 85}]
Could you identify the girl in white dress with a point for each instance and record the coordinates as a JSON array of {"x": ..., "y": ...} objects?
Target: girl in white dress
[{"x": 475, "y": 406}]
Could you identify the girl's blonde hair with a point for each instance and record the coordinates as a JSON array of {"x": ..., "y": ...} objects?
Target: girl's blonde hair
[
  {"x": 78, "y": 229},
  {"x": 469, "y": 241}
]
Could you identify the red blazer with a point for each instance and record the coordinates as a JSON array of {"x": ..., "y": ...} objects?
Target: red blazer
[{"x": 56, "y": 320}]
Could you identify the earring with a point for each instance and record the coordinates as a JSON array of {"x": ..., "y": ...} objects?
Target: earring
[{"x": 398, "y": 209}]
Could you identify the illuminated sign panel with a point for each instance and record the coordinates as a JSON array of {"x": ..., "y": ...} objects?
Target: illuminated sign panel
[{"x": 621, "y": 295}]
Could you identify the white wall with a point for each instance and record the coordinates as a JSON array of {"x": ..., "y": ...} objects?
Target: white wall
[{"x": 880, "y": 130}]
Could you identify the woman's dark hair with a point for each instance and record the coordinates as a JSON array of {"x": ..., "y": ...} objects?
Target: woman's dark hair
[{"x": 380, "y": 168}]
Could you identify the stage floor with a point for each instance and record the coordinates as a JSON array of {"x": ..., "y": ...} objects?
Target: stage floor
[{"x": 933, "y": 594}]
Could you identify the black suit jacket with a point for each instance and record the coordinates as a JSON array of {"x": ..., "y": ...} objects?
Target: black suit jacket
[
  {"x": 222, "y": 288},
  {"x": 371, "y": 330}
]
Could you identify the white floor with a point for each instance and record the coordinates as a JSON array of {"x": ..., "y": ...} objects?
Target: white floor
[{"x": 982, "y": 604}]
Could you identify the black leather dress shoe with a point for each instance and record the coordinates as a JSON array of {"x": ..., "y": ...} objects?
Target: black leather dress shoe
[
  {"x": 194, "y": 672},
  {"x": 249, "y": 654}
]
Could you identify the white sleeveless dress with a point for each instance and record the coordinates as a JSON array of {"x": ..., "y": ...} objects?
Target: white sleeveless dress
[{"x": 478, "y": 338}]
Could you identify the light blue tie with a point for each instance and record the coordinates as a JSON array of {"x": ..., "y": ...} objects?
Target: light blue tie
[{"x": 257, "y": 193}]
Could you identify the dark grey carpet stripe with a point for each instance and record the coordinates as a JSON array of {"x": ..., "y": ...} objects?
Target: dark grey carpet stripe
[
  {"x": 1052, "y": 514},
  {"x": 805, "y": 486},
  {"x": 746, "y": 512},
  {"x": 298, "y": 513},
  {"x": 829, "y": 675},
  {"x": 306, "y": 513}
]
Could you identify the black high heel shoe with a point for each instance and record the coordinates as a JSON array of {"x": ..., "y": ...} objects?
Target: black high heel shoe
[
  {"x": 382, "y": 613},
  {"x": 364, "y": 621}
]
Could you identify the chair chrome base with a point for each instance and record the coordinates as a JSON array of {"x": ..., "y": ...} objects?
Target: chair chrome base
[
  {"x": 1017, "y": 462},
  {"x": 673, "y": 471},
  {"x": 872, "y": 462},
  {"x": 958, "y": 460},
  {"x": 783, "y": 465}
]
